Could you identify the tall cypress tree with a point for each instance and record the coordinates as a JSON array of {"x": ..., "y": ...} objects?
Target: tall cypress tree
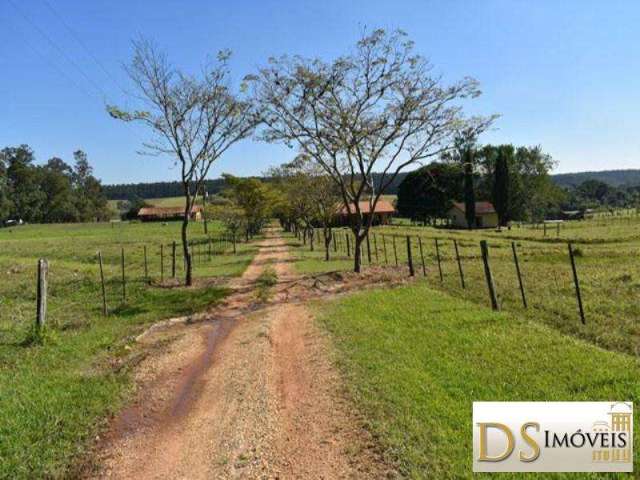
[
  {"x": 469, "y": 193},
  {"x": 501, "y": 187}
]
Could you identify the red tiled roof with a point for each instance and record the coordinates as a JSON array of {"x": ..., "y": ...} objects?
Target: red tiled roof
[
  {"x": 383, "y": 206},
  {"x": 482, "y": 208}
]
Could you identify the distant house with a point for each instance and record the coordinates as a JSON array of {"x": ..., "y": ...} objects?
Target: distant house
[
  {"x": 486, "y": 216},
  {"x": 381, "y": 215},
  {"x": 150, "y": 214}
]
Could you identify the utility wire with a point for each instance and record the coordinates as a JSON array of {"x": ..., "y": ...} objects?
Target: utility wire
[
  {"x": 56, "y": 67},
  {"x": 84, "y": 46},
  {"x": 58, "y": 49}
]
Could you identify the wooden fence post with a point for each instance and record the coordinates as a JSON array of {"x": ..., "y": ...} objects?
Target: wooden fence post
[
  {"x": 173, "y": 259},
  {"x": 545, "y": 229},
  {"x": 348, "y": 245},
  {"x": 104, "y": 290},
  {"x": 124, "y": 279},
  {"x": 487, "y": 273},
  {"x": 384, "y": 246},
  {"x": 161, "y": 262},
  {"x": 409, "y": 257},
  {"x": 146, "y": 264},
  {"x": 424, "y": 267},
  {"x": 577, "y": 283},
  {"x": 335, "y": 245},
  {"x": 455, "y": 244},
  {"x": 439, "y": 261},
  {"x": 209, "y": 246},
  {"x": 517, "y": 264},
  {"x": 41, "y": 294},
  {"x": 368, "y": 249},
  {"x": 395, "y": 250},
  {"x": 375, "y": 247}
]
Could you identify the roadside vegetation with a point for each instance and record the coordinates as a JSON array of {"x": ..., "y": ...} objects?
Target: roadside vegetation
[
  {"x": 55, "y": 393},
  {"x": 414, "y": 359}
]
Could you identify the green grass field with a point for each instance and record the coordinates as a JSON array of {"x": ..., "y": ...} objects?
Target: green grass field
[
  {"x": 607, "y": 263},
  {"x": 415, "y": 359},
  {"x": 53, "y": 393}
]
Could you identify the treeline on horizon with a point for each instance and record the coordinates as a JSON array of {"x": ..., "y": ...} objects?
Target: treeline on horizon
[
  {"x": 133, "y": 191},
  {"x": 55, "y": 192}
]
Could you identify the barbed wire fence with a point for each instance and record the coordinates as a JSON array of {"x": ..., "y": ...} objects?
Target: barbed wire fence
[
  {"x": 69, "y": 294},
  {"x": 564, "y": 282}
]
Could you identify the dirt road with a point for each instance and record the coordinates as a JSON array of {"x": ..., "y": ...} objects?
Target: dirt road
[{"x": 248, "y": 393}]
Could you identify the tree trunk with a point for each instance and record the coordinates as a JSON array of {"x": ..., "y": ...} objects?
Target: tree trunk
[
  {"x": 357, "y": 252},
  {"x": 327, "y": 242},
  {"x": 310, "y": 233},
  {"x": 188, "y": 280}
]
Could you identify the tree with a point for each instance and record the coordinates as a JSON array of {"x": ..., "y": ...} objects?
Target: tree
[
  {"x": 429, "y": 192},
  {"x": 6, "y": 205},
  {"x": 501, "y": 187},
  {"x": 195, "y": 120},
  {"x": 255, "y": 198},
  {"x": 57, "y": 185},
  {"x": 232, "y": 217},
  {"x": 90, "y": 200},
  {"x": 378, "y": 108},
  {"x": 23, "y": 181},
  {"x": 312, "y": 196},
  {"x": 530, "y": 192}
]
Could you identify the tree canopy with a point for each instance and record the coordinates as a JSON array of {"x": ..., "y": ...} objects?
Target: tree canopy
[{"x": 50, "y": 193}]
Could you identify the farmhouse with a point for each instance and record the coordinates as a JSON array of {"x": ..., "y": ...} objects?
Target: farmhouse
[
  {"x": 381, "y": 215},
  {"x": 150, "y": 214},
  {"x": 486, "y": 216}
]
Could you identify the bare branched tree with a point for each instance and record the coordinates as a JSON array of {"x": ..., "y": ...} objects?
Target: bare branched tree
[
  {"x": 378, "y": 109},
  {"x": 193, "y": 119}
]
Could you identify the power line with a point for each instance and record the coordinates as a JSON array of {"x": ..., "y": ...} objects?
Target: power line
[
  {"x": 59, "y": 49},
  {"x": 56, "y": 67},
  {"x": 83, "y": 45}
]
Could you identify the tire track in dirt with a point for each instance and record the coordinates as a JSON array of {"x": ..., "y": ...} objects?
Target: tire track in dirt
[{"x": 245, "y": 394}]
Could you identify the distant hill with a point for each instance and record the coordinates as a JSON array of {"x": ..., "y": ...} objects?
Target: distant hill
[{"x": 615, "y": 178}]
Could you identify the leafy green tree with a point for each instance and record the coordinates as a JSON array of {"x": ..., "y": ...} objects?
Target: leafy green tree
[
  {"x": 91, "y": 202},
  {"x": 312, "y": 197},
  {"x": 501, "y": 186},
  {"x": 429, "y": 192},
  {"x": 60, "y": 204},
  {"x": 530, "y": 193},
  {"x": 6, "y": 204},
  {"x": 23, "y": 182},
  {"x": 254, "y": 197}
]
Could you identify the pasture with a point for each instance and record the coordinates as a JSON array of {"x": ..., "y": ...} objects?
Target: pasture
[
  {"x": 415, "y": 358},
  {"x": 607, "y": 253},
  {"x": 52, "y": 392}
]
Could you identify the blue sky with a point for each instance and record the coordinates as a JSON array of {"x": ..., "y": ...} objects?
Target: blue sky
[{"x": 562, "y": 74}]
